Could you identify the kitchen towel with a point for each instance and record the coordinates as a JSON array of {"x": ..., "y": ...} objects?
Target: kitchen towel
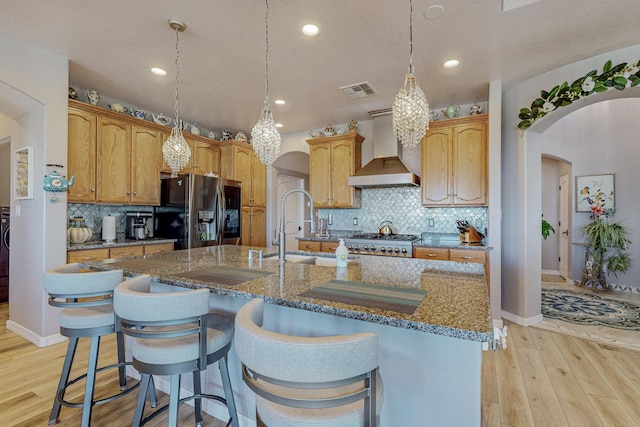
[{"x": 109, "y": 228}]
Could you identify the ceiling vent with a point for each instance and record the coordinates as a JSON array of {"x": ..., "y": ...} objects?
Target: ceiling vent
[{"x": 358, "y": 90}]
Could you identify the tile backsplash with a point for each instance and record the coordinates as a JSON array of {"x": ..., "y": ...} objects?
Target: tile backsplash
[
  {"x": 402, "y": 206},
  {"x": 93, "y": 216}
]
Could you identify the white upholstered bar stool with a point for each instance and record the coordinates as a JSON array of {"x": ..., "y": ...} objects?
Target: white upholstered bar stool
[
  {"x": 173, "y": 334},
  {"x": 308, "y": 381},
  {"x": 87, "y": 299}
]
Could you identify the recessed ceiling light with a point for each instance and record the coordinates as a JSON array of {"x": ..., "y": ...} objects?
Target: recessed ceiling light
[
  {"x": 310, "y": 30},
  {"x": 279, "y": 125},
  {"x": 451, "y": 63},
  {"x": 433, "y": 12},
  {"x": 158, "y": 71},
  {"x": 280, "y": 102}
]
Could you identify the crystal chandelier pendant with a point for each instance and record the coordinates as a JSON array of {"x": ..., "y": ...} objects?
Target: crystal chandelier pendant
[
  {"x": 265, "y": 137},
  {"x": 410, "y": 113},
  {"x": 176, "y": 151}
]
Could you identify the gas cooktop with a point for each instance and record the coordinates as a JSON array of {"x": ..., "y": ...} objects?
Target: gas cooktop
[{"x": 377, "y": 236}]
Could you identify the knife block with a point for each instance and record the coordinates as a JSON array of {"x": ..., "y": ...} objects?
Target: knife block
[{"x": 471, "y": 236}]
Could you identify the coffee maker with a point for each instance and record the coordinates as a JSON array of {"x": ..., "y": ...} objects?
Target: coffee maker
[{"x": 139, "y": 225}]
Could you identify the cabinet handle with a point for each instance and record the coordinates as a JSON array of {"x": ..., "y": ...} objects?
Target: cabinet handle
[
  {"x": 93, "y": 190},
  {"x": 88, "y": 258},
  {"x": 431, "y": 255},
  {"x": 467, "y": 257}
]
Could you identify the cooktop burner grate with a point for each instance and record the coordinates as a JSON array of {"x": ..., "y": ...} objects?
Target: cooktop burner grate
[{"x": 391, "y": 237}]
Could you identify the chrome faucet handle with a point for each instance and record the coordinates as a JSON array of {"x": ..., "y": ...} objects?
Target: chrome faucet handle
[{"x": 255, "y": 251}]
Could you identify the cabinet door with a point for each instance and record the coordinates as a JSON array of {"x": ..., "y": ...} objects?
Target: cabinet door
[
  {"x": 319, "y": 171},
  {"x": 466, "y": 255},
  {"x": 469, "y": 168},
  {"x": 87, "y": 255},
  {"x": 145, "y": 170},
  {"x": 243, "y": 174},
  {"x": 441, "y": 254},
  {"x": 309, "y": 246},
  {"x": 329, "y": 246},
  {"x": 81, "y": 156},
  {"x": 259, "y": 227},
  {"x": 341, "y": 160},
  {"x": 436, "y": 167},
  {"x": 254, "y": 226},
  {"x": 258, "y": 181},
  {"x": 158, "y": 248},
  {"x": 126, "y": 251},
  {"x": 114, "y": 160},
  {"x": 206, "y": 158},
  {"x": 165, "y": 167}
]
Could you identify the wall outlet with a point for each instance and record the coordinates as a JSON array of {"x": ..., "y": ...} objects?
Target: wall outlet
[
  {"x": 432, "y": 222},
  {"x": 355, "y": 221},
  {"x": 330, "y": 219}
]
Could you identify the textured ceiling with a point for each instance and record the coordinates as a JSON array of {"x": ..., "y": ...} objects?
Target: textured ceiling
[{"x": 111, "y": 44}]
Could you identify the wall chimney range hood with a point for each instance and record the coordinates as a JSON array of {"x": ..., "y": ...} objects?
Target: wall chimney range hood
[{"x": 387, "y": 169}]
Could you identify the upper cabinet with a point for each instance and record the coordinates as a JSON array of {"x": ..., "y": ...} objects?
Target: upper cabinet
[
  {"x": 239, "y": 162},
  {"x": 331, "y": 161},
  {"x": 454, "y": 162},
  {"x": 116, "y": 159},
  {"x": 205, "y": 156}
]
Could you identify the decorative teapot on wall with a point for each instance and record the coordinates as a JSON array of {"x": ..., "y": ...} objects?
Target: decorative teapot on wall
[{"x": 56, "y": 182}]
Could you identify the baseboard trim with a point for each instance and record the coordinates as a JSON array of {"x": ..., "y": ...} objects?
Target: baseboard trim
[
  {"x": 211, "y": 407},
  {"x": 33, "y": 337},
  {"x": 551, "y": 272},
  {"x": 522, "y": 321}
]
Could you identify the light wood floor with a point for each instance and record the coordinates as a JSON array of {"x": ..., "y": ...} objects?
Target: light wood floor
[
  {"x": 29, "y": 376},
  {"x": 544, "y": 378}
]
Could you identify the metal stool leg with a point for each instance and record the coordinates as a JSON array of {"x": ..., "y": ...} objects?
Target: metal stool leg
[
  {"x": 121, "y": 369},
  {"x": 174, "y": 398},
  {"x": 228, "y": 393},
  {"x": 64, "y": 377},
  {"x": 90, "y": 381},
  {"x": 197, "y": 391},
  {"x": 153, "y": 399},
  {"x": 145, "y": 379}
]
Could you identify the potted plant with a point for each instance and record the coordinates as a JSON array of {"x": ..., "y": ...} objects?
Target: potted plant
[
  {"x": 546, "y": 229},
  {"x": 607, "y": 242}
]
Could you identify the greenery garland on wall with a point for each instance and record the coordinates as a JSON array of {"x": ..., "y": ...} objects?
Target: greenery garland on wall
[{"x": 619, "y": 77}]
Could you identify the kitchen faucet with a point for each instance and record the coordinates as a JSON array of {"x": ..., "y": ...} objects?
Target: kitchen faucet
[{"x": 312, "y": 228}]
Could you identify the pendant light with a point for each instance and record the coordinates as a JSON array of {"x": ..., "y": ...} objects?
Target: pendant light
[
  {"x": 410, "y": 108},
  {"x": 265, "y": 136},
  {"x": 175, "y": 150}
]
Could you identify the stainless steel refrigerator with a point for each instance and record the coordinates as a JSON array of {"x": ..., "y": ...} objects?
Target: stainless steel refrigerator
[{"x": 199, "y": 209}]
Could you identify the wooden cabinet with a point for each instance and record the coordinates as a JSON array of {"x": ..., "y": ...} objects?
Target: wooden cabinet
[
  {"x": 205, "y": 156},
  {"x": 331, "y": 161},
  {"x": 157, "y": 248},
  {"x": 316, "y": 246},
  {"x": 81, "y": 155},
  {"x": 116, "y": 252},
  {"x": 115, "y": 159},
  {"x": 441, "y": 254},
  {"x": 87, "y": 255},
  {"x": 240, "y": 163},
  {"x": 466, "y": 255},
  {"x": 254, "y": 226},
  {"x": 454, "y": 162},
  {"x": 309, "y": 245}
]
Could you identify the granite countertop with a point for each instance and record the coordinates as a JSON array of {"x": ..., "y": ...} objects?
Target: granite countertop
[
  {"x": 99, "y": 244},
  {"x": 456, "y": 304}
]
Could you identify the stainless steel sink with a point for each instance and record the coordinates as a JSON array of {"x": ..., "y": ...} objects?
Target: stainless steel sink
[{"x": 309, "y": 259}]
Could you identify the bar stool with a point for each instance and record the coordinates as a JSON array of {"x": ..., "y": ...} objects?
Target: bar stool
[
  {"x": 298, "y": 381},
  {"x": 87, "y": 299},
  {"x": 173, "y": 334}
]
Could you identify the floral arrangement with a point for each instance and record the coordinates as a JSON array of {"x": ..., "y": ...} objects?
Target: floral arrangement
[{"x": 620, "y": 77}]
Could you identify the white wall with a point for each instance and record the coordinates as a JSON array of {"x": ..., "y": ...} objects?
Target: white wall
[
  {"x": 37, "y": 226},
  {"x": 521, "y": 178},
  {"x": 603, "y": 138}
]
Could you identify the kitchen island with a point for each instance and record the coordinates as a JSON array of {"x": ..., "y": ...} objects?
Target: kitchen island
[{"x": 430, "y": 357}]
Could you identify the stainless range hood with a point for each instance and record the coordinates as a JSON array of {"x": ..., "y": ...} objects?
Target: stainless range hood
[{"x": 387, "y": 169}]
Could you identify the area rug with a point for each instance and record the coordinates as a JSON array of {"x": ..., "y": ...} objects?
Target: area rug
[{"x": 590, "y": 309}]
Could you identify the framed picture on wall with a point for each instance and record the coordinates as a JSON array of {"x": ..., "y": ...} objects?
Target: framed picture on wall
[
  {"x": 23, "y": 170},
  {"x": 595, "y": 193}
]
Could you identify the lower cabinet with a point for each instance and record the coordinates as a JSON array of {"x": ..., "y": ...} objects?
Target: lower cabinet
[
  {"x": 254, "y": 226},
  {"x": 116, "y": 252},
  {"x": 457, "y": 255},
  {"x": 316, "y": 246}
]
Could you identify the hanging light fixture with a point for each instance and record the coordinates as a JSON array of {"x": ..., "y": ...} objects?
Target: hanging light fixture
[
  {"x": 410, "y": 108},
  {"x": 175, "y": 150},
  {"x": 265, "y": 136}
]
